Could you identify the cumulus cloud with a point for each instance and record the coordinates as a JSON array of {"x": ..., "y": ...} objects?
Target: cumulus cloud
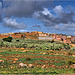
[
  {"x": 37, "y": 9},
  {"x": 49, "y": 19},
  {"x": 58, "y": 9},
  {"x": 22, "y": 8},
  {"x": 13, "y": 23},
  {"x": 67, "y": 28},
  {"x": 64, "y": 18},
  {"x": 46, "y": 12},
  {"x": 21, "y": 30},
  {"x": 45, "y": 16}
]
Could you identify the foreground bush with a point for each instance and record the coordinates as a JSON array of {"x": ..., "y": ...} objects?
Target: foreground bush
[
  {"x": 70, "y": 62},
  {"x": 32, "y": 44},
  {"x": 8, "y": 39}
]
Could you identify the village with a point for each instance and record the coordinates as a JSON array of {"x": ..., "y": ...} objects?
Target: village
[{"x": 40, "y": 36}]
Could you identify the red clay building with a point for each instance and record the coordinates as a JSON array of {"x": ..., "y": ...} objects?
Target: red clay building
[{"x": 67, "y": 40}]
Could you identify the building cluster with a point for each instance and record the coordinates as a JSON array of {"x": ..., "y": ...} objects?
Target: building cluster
[{"x": 40, "y": 36}]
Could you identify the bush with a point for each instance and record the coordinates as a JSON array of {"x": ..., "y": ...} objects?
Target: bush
[
  {"x": 61, "y": 39},
  {"x": 38, "y": 48},
  {"x": 17, "y": 40},
  {"x": 24, "y": 45},
  {"x": 69, "y": 53},
  {"x": 74, "y": 70},
  {"x": 66, "y": 46},
  {"x": 70, "y": 62},
  {"x": 8, "y": 39},
  {"x": 1, "y": 44},
  {"x": 57, "y": 48},
  {"x": 28, "y": 59},
  {"x": 52, "y": 41},
  {"x": 73, "y": 48},
  {"x": 73, "y": 42}
]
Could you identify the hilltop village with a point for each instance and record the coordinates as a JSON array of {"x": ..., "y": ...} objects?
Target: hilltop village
[{"x": 40, "y": 36}]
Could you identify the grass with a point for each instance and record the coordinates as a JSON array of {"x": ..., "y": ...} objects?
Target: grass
[
  {"x": 38, "y": 60},
  {"x": 39, "y": 53}
]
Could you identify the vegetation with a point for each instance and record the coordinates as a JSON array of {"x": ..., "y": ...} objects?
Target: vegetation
[
  {"x": 35, "y": 44},
  {"x": 27, "y": 59},
  {"x": 36, "y": 57},
  {"x": 9, "y": 39},
  {"x": 43, "y": 61},
  {"x": 73, "y": 48},
  {"x": 70, "y": 62}
]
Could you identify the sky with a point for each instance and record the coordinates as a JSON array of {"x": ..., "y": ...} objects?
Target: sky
[{"x": 51, "y": 16}]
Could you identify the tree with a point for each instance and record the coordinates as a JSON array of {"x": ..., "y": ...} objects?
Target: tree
[
  {"x": 23, "y": 36},
  {"x": 61, "y": 39},
  {"x": 8, "y": 39}
]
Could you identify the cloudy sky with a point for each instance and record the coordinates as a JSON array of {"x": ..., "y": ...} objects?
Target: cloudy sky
[{"x": 49, "y": 16}]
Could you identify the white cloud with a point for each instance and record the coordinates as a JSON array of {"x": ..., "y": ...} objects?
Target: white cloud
[
  {"x": 58, "y": 9},
  {"x": 46, "y": 12},
  {"x": 70, "y": 25},
  {"x": 13, "y": 23},
  {"x": 21, "y": 31}
]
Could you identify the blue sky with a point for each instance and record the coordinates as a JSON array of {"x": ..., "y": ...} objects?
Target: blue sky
[{"x": 47, "y": 16}]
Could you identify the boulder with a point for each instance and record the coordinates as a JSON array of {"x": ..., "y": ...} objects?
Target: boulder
[
  {"x": 44, "y": 66},
  {"x": 15, "y": 59},
  {"x": 25, "y": 51},
  {"x": 73, "y": 55},
  {"x": 44, "y": 53},
  {"x": 16, "y": 50},
  {"x": 22, "y": 48},
  {"x": 31, "y": 66},
  {"x": 1, "y": 61},
  {"x": 40, "y": 52},
  {"x": 14, "y": 62},
  {"x": 23, "y": 65}
]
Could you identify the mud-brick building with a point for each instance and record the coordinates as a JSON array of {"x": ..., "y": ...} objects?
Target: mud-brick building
[
  {"x": 73, "y": 38},
  {"x": 64, "y": 37},
  {"x": 54, "y": 36},
  {"x": 45, "y": 36},
  {"x": 17, "y": 35},
  {"x": 67, "y": 40},
  {"x": 42, "y": 34},
  {"x": 31, "y": 35},
  {"x": 58, "y": 37},
  {"x": 4, "y": 35}
]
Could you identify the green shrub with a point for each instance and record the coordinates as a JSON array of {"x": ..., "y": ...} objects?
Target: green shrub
[
  {"x": 66, "y": 46},
  {"x": 38, "y": 48},
  {"x": 70, "y": 62},
  {"x": 17, "y": 40},
  {"x": 73, "y": 48},
  {"x": 57, "y": 48},
  {"x": 52, "y": 41},
  {"x": 74, "y": 70},
  {"x": 69, "y": 53},
  {"x": 8, "y": 39},
  {"x": 24, "y": 45},
  {"x": 28, "y": 59}
]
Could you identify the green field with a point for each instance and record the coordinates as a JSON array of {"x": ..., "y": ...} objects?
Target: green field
[{"x": 44, "y": 57}]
